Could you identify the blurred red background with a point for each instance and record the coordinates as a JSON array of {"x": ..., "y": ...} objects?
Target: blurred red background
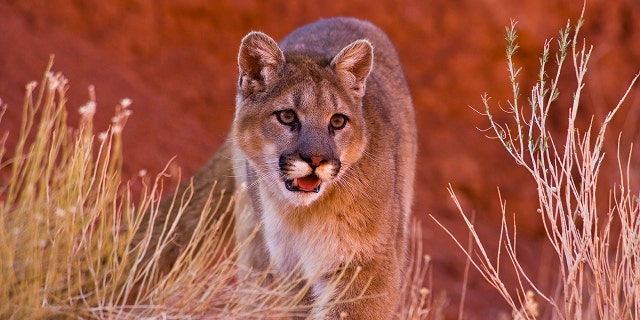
[{"x": 177, "y": 61}]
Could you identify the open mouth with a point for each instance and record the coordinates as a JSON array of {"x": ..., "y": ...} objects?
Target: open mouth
[{"x": 310, "y": 183}]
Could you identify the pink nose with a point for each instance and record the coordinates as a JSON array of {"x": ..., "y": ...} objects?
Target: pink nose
[{"x": 315, "y": 160}]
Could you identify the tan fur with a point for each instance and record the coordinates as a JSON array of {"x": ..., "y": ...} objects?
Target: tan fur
[
  {"x": 354, "y": 229},
  {"x": 357, "y": 220}
]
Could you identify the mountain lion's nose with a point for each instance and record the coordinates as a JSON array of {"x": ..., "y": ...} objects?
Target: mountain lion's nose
[{"x": 313, "y": 160}]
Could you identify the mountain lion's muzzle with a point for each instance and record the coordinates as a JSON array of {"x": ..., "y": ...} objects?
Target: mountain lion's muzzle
[{"x": 305, "y": 172}]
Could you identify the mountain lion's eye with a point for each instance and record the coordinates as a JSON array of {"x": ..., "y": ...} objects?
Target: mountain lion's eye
[
  {"x": 338, "y": 121},
  {"x": 287, "y": 117}
]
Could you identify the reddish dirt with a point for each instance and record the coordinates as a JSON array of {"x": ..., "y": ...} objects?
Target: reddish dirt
[{"x": 177, "y": 62}]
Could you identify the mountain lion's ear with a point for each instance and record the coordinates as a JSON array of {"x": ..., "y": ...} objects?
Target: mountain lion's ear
[
  {"x": 353, "y": 65},
  {"x": 259, "y": 60}
]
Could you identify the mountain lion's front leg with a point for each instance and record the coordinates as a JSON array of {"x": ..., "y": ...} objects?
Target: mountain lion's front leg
[{"x": 370, "y": 291}]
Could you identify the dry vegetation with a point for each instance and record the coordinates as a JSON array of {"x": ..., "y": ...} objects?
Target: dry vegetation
[
  {"x": 67, "y": 219},
  {"x": 597, "y": 246}
]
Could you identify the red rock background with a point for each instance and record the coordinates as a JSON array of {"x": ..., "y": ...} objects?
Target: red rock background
[{"x": 177, "y": 61}]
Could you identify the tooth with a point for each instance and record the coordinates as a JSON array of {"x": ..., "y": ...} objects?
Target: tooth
[{"x": 294, "y": 183}]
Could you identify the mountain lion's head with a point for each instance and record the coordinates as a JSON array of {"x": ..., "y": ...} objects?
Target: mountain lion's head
[{"x": 299, "y": 119}]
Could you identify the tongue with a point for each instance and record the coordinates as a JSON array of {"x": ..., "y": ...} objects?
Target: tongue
[{"x": 308, "y": 183}]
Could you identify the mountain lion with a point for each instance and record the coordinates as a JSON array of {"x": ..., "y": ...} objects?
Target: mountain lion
[{"x": 322, "y": 151}]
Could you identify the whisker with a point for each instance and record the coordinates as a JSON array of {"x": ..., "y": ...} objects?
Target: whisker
[
  {"x": 351, "y": 182},
  {"x": 271, "y": 178}
]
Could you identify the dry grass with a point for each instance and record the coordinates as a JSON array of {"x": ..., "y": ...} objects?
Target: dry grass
[
  {"x": 67, "y": 221},
  {"x": 599, "y": 274}
]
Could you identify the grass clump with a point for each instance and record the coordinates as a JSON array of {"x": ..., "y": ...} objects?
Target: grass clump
[
  {"x": 63, "y": 210},
  {"x": 597, "y": 247}
]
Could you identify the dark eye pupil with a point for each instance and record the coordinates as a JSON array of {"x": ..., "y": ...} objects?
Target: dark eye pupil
[
  {"x": 286, "y": 116},
  {"x": 338, "y": 121}
]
